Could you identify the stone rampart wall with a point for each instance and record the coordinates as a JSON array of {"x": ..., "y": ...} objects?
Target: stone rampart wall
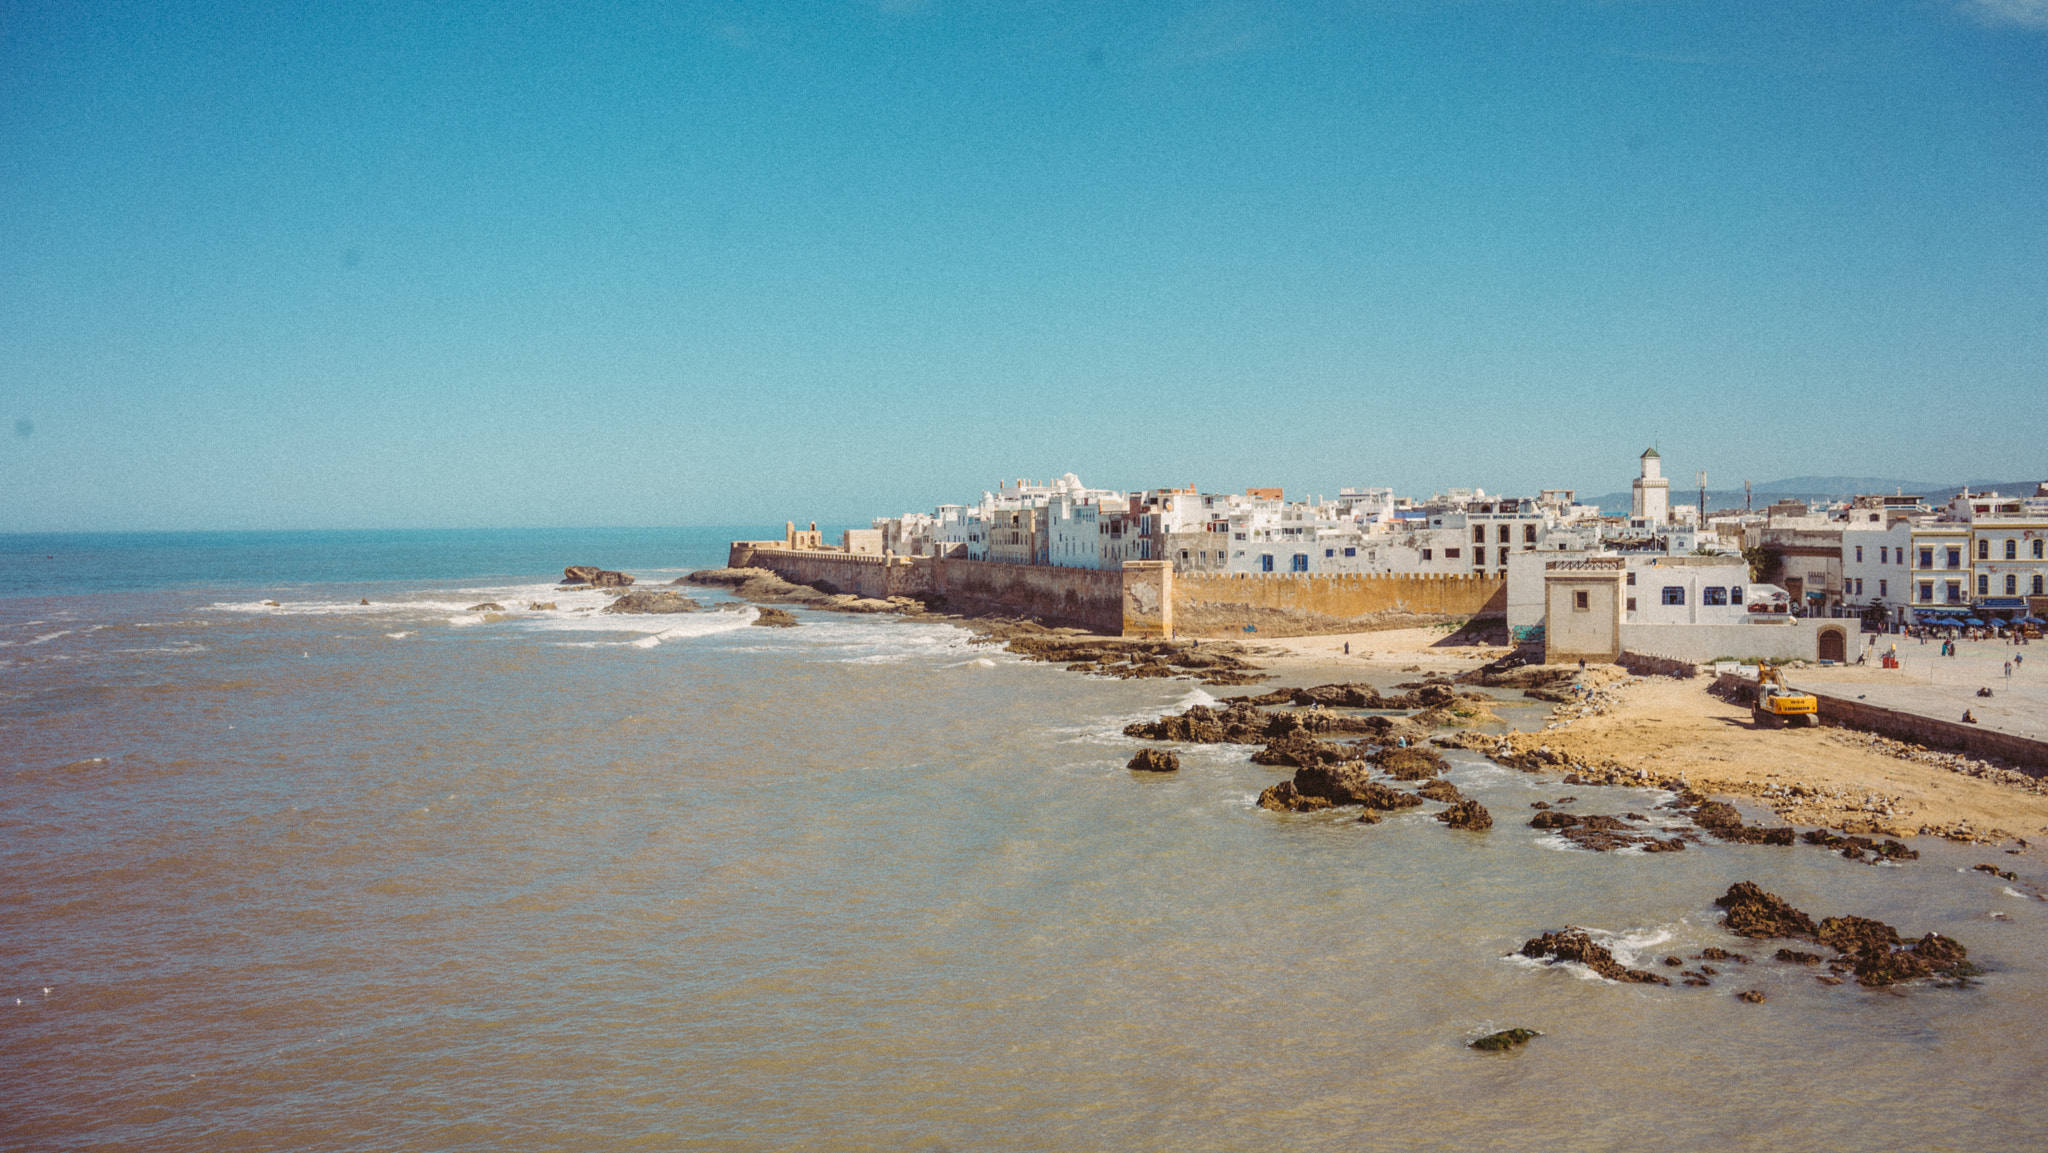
[
  {"x": 1649, "y": 666},
  {"x": 857, "y": 573},
  {"x": 1332, "y": 599},
  {"x": 1091, "y": 599}
]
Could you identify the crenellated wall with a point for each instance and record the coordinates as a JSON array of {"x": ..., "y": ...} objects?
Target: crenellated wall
[{"x": 861, "y": 574}]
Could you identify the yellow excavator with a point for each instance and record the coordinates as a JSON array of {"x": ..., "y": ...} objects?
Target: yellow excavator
[{"x": 1777, "y": 705}]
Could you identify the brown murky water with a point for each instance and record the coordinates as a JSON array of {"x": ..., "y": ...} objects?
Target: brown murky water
[{"x": 295, "y": 882}]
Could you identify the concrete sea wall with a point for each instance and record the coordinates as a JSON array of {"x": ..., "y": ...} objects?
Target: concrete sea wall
[{"x": 2025, "y": 753}]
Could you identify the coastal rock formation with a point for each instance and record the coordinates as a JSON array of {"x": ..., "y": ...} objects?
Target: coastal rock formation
[
  {"x": 651, "y": 601},
  {"x": 1856, "y": 848},
  {"x": 541, "y": 607},
  {"x": 1443, "y": 791},
  {"x": 1298, "y": 751},
  {"x": 1751, "y": 912},
  {"x": 594, "y": 577},
  {"x": 1602, "y": 833},
  {"x": 774, "y": 618},
  {"x": 1410, "y": 764},
  {"x": 1282, "y": 798},
  {"x": 1504, "y": 1040},
  {"x": 1723, "y": 821},
  {"x": 1467, "y": 814},
  {"x": 486, "y": 607},
  {"x": 1155, "y": 761},
  {"x": 1572, "y": 943}
]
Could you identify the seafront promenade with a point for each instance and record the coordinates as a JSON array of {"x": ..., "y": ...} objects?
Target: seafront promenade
[{"x": 1931, "y": 685}]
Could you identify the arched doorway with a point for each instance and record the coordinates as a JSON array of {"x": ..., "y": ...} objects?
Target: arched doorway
[{"x": 1834, "y": 645}]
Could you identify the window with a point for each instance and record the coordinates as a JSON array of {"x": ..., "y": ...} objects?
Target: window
[
  {"x": 2012, "y": 549},
  {"x": 1884, "y": 556},
  {"x": 1631, "y": 578},
  {"x": 1265, "y": 562},
  {"x": 1329, "y": 552},
  {"x": 1529, "y": 537},
  {"x": 1478, "y": 558},
  {"x": 1983, "y": 550},
  {"x": 1859, "y": 586},
  {"x": 2012, "y": 585},
  {"x": 1581, "y": 601},
  {"x": 1882, "y": 590},
  {"x": 1713, "y": 595},
  {"x": 1859, "y": 554},
  {"x": 1350, "y": 552},
  {"x": 1631, "y": 604},
  {"x": 2037, "y": 584},
  {"x": 1926, "y": 558},
  {"x": 1425, "y": 554},
  {"x": 1450, "y": 554},
  {"x": 1926, "y": 592},
  {"x": 1507, "y": 533},
  {"x": 1983, "y": 584},
  {"x": 1300, "y": 562},
  {"x": 1955, "y": 592},
  {"x": 1503, "y": 558},
  {"x": 1479, "y": 534},
  {"x": 1735, "y": 595},
  {"x": 1955, "y": 558},
  {"x": 1674, "y": 594},
  {"x": 2037, "y": 549}
]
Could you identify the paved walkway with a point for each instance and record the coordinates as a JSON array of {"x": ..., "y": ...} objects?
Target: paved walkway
[{"x": 1936, "y": 686}]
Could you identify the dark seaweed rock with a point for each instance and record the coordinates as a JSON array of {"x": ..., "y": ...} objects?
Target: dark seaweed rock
[
  {"x": 1721, "y": 819},
  {"x": 649, "y": 601},
  {"x": 1155, "y": 761},
  {"x": 1283, "y": 798},
  {"x": 1753, "y": 996},
  {"x": 1504, "y": 1040},
  {"x": 1995, "y": 871},
  {"x": 1467, "y": 814},
  {"x": 1795, "y": 957},
  {"x": 1572, "y": 943},
  {"x": 774, "y": 618},
  {"x": 1552, "y": 819},
  {"x": 1755, "y": 913},
  {"x": 1440, "y": 790},
  {"x": 1348, "y": 784},
  {"x": 1410, "y": 764},
  {"x": 1856, "y": 848},
  {"x": 1304, "y": 752}
]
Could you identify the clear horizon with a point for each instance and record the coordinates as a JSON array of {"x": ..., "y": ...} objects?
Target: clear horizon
[{"x": 528, "y": 266}]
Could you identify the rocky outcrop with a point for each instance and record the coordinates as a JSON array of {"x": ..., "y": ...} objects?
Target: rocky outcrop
[
  {"x": 1283, "y": 798},
  {"x": 1572, "y": 943},
  {"x": 1410, "y": 764},
  {"x": 1300, "y": 751},
  {"x": 1467, "y": 814},
  {"x": 1504, "y": 1040},
  {"x": 652, "y": 601},
  {"x": 486, "y": 607},
  {"x": 1857, "y": 848},
  {"x": 1440, "y": 790},
  {"x": 541, "y": 607},
  {"x": 1155, "y": 761},
  {"x": 1602, "y": 833},
  {"x": 593, "y": 577},
  {"x": 1723, "y": 821},
  {"x": 1751, "y": 912},
  {"x": 773, "y": 618}
]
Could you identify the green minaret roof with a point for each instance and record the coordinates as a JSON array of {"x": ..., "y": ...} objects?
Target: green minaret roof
[{"x": 1650, "y": 452}]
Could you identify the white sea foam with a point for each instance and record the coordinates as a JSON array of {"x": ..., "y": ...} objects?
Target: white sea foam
[
  {"x": 398, "y": 636},
  {"x": 2012, "y": 892}
]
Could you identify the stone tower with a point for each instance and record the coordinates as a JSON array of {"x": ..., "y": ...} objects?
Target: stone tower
[{"x": 1652, "y": 493}]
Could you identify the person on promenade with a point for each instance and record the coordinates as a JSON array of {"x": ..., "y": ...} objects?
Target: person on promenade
[{"x": 2008, "y": 670}]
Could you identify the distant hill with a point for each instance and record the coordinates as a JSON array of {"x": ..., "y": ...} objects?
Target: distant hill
[{"x": 1809, "y": 489}]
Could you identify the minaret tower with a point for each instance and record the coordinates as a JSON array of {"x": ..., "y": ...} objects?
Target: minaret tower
[{"x": 1651, "y": 492}]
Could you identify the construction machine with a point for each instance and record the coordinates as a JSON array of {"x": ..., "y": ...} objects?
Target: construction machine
[{"x": 1777, "y": 705}]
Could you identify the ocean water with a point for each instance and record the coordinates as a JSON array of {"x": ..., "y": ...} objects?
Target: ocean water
[{"x": 328, "y": 875}]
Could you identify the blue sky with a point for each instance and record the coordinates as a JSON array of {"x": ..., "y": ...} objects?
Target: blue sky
[{"x": 551, "y": 264}]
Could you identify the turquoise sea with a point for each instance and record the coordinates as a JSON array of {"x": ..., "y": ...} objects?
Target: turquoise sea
[{"x": 411, "y": 875}]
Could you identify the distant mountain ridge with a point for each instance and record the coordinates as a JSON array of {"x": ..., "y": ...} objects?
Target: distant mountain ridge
[{"x": 1810, "y": 489}]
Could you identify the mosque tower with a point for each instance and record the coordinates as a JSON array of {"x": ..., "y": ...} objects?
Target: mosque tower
[{"x": 1651, "y": 492}]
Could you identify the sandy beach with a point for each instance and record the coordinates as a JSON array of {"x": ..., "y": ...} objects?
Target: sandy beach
[{"x": 1840, "y": 778}]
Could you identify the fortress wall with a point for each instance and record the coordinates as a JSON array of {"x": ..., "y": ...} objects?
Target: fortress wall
[
  {"x": 861, "y": 574},
  {"x": 1310, "y": 603},
  {"x": 1091, "y": 599}
]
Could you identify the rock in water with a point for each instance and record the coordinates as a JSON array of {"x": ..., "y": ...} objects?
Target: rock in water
[
  {"x": 1755, "y": 913},
  {"x": 1467, "y": 814},
  {"x": 1504, "y": 1040},
  {"x": 486, "y": 607},
  {"x": 1282, "y": 798},
  {"x": 1411, "y": 764},
  {"x": 774, "y": 618},
  {"x": 1572, "y": 943},
  {"x": 1441, "y": 790},
  {"x": 1155, "y": 761},
  {"x": 583, "y": 574},
  {"x": 652, "y": 602},
  {"x": 541, "y": 607}
]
